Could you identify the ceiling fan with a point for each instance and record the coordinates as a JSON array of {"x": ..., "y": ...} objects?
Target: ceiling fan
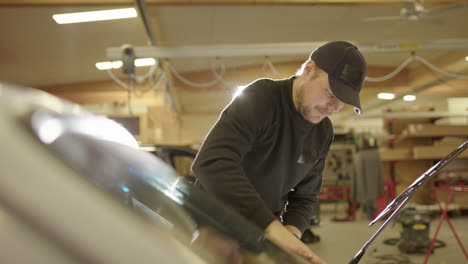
[{"x": 413, "y": 10}]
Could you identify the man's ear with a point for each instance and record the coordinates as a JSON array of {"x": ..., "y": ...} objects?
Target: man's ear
[{"x": 310, "y": 66}]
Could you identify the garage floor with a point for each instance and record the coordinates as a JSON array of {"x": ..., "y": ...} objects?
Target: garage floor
[{"x": 340, "y": 241}]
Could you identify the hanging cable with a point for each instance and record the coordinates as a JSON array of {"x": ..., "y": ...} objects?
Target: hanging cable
[
  {"x": 140, "y": 79},
  {"x": 131, "y": 83},
  {"x": 392, "y": 74},
  {"x": 408, "y": 61},
  {"x": 272, "y": 68},
  {"x": 219, "y": 76},
  {"x": 263, "y": 69},
  {"x": 149, "y": 74},
  {"x": 190, "y": 83},
  {"x": 117, "y": 80},
  {"x": 157, "y": 84},
  {"x": 169, "y": 95},
  {"x": 434, "y": 68}
]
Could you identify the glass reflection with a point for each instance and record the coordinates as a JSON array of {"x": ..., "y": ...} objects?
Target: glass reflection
[{"x": 154, "y": 189}]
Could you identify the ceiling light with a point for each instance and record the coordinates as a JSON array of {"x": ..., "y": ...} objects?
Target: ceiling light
[
  {"x": 95, "y": 16},
  {"x": 409, "y": 98},
  {"x": 144, "y": 62},
  {"x": 107, "y": 65},
  {"x": 386, "y": 96}
]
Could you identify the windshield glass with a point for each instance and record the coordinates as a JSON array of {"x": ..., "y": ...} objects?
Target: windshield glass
[{"x": 153, "y": 188}]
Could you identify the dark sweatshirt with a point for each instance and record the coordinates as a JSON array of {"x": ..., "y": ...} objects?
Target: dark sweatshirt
[{"x": 262, "y": 154}]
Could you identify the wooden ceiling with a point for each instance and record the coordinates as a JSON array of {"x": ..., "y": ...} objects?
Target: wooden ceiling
[
  {"x": 60, "y": 58},
  {"x": 217, "y": 2}
]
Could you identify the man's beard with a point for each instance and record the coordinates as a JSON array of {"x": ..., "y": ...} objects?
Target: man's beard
[{"x": 306, "y": 112}]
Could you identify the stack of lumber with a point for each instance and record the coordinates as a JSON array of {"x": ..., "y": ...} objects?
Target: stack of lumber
[
  {"x": 414, "y": 147},
  {"x": 408, "y": 149}
]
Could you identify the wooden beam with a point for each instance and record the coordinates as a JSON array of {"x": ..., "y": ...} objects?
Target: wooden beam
[
  {"x": 201, "y": 113},
  {"x": 453, "y": 88},
  {"x": 156, "y": 20},
  {"x": 104, "y": 92},
  {"x": 164, "y": 128},
  {"x": 103, "y": 86},
  {"x": 26, "y": 3},
  {"x": 111, "y": 97}
]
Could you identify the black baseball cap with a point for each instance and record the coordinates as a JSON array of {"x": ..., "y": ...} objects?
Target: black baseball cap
[{"x": 346, "y": 68}]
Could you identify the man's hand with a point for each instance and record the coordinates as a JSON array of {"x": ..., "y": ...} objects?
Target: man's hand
[
  {"x": 296, "y": 232},
  {"x": 284, "y": 238},
  {"x": 224, "y": 250}
]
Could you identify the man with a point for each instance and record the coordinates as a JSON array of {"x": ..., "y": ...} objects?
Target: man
[{"x": 266, "y": 153}]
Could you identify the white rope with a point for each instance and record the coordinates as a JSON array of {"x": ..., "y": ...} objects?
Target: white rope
[
  {"x": 219, "y": 76},
  {"x": 263, "y": 69},
  {"x": 409, "y": 60},
  {"x": 392, "y": 74},
  {"x": 139, "y": 79},
  {"x": 273, "y": 69},
  {"x": 190, "y": 83},
  {"x": 168, "y": 95},
  {"x": 157, "y": 85},
  {"x": 149, "y": 74},
  {"x": 434, "y": 68},
  {"x": 162, "y": 77},
  {"x": 118, "y": 81}
]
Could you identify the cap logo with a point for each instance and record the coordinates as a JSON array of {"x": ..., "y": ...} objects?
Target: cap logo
[{"x": 351, "y": 75}]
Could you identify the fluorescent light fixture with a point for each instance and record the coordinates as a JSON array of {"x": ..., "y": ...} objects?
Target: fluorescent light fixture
[
  {"x": 144, "y": 62},
  {"x": 95, "y": 16},
  {"x": 107, "y": 65},
  {"x": 386, "y": 96},
  {"x": 409, "y": 98}
]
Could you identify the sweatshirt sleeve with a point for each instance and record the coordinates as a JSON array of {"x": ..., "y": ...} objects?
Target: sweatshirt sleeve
[
  {"x": 303, "y": 200},
  {"x": 218, "y": 163}
]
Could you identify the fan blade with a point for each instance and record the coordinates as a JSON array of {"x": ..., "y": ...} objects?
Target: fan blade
[
  {"x": 444, "y": 8},
  {"x": 383, "y": 18}
]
